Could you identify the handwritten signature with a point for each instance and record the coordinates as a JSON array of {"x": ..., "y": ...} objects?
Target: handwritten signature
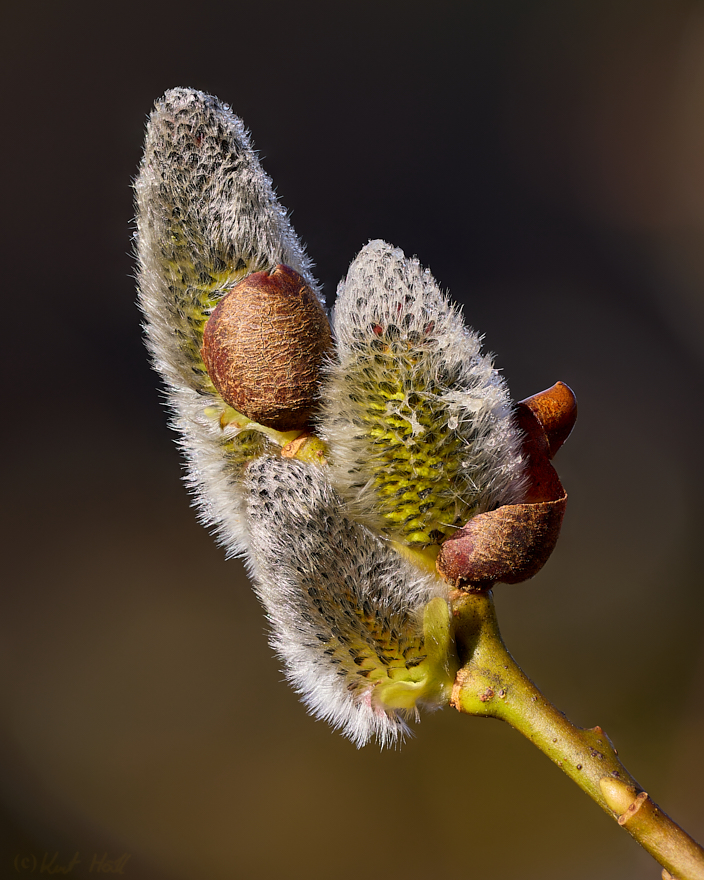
[{"x": 51, "y": 864}]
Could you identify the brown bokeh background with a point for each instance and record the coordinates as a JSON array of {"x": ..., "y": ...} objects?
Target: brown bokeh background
[{"x": 546, "y": 160}]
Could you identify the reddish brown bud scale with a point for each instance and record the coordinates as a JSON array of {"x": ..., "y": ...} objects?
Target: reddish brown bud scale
[
  {"x": 513, "y": 542},
  {"x": 543, "y": 482},
  {"x": 507, "y": 545},
  {"x": 264, "y": 345},
  {"x": 556, "y": 410}
]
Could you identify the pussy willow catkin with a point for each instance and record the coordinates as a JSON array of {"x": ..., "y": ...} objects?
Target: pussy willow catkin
[
  {"x": 419, "y": 421},
  {"x": 347, "y": 614},
  {"x": 418, "y": 426},
  {"x": 207, "y": 216}
]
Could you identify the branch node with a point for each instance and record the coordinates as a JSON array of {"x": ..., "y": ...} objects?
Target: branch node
[
  {"x": 633, "y": 809},
  {"x": 619, "y": 796}
]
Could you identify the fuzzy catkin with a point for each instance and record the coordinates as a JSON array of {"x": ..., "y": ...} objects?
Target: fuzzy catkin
[
  {"x": 419, "y": 422},
  {"x": 206, "y": 216},
  {"x": 345, "y": 610},
  {"x": 418, "y": 425}
]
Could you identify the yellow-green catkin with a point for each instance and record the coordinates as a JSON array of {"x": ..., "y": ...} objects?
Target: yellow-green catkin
[
  {"x": 206, "y": 216},
  {"x": 415, "y": 433},
  {"x": 365, "y": 637},
  {"x": 418, "y": 421}
]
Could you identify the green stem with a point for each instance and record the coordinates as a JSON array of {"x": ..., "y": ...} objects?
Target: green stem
[{"x": 490, "y": 683}]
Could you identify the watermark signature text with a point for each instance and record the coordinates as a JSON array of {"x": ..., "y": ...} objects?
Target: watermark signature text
[{"x": 53, "y": 864}]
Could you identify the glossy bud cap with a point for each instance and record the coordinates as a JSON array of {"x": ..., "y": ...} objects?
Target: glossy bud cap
[
  {"x": 512, "y": 543},
  {"x": 556, "y": 410},
  {"x": 263, "y": 347}
]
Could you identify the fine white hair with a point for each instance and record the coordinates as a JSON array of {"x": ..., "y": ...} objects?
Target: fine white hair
[
  {"x": 418, "y": 425},
  {"x": 414, "y": 413},
  {"x": 345, "y": 610},
  {"x": 207, "y": 215}
]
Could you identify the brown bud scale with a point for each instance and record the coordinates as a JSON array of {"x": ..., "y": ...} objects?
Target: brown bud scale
[
  {"x": 507, "y": 545},
  {"x": 556, "y": 410},
  {"x": 512, "y": 543},
  {"x": 264, "y": 346}
]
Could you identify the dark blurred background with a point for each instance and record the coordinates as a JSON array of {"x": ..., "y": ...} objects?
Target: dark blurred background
[{"x": 546, "y": 161}]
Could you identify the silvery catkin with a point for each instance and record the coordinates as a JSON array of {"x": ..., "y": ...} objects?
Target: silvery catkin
[
  {"x": 346, "y": 612},
  {"x": 417, "y": 423},
  {"x": 207, "y": 215}
]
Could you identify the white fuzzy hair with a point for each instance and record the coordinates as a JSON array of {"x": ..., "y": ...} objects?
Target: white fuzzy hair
[
  {"x": 344, "y": 608},
  {"x": 410, "y": 388},
  {"x": 207, "y": 215}
]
